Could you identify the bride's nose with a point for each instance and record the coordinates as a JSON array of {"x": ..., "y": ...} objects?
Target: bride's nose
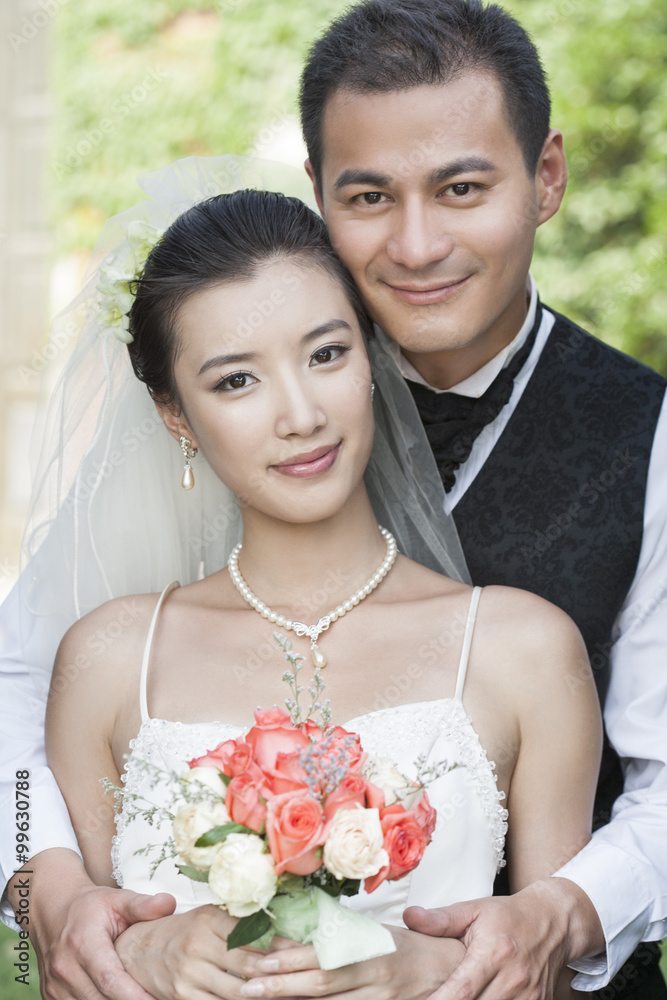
[{"x": 298, "y": 409}]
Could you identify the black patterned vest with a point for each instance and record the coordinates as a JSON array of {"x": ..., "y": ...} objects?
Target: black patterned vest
[
  {"x": 558, "y": 509},
  {"x": 558, "y": 506}
]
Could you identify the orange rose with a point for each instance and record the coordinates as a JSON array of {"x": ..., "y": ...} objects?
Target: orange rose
[
  {"x": 246, "y": 801},
  {"x": 232, "y": 757},
  {"x": 343, "y": 747},
  {"x": 349, "y": 793},
  {"x": 295, "y": 828},
  {"x": 273, "y": 733},
  {"x": 288, "y": 774},
  {"x": 375, "y": 798},
  {"x": 404, "y": 841},
  {"x": 425, "y": 815},
  {"x": 210, "y": 759}
]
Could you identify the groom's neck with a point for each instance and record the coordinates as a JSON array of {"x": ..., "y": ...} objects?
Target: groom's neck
[{"x": 445, "y": 368}]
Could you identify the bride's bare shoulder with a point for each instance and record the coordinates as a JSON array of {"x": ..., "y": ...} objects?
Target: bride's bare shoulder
[
  {"x": 105, "y": 644},
  {"x": 420, "y": 583},
  {"x": 115, "y": 633},
  {"x": 507, "y": 607},
  {"x": 525, "y": 631}
]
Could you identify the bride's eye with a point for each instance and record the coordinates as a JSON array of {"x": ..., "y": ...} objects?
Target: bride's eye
[
  {"x": 238, "y": 380},
  {"x": 332, "y": 352}
]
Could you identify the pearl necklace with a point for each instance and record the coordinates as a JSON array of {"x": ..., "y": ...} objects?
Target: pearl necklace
[{"x": 313, "y": 631}]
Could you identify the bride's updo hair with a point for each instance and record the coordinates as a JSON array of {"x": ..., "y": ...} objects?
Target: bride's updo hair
[{"x": 227, "y": 238}]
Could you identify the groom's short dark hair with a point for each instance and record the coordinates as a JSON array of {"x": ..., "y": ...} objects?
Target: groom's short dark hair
[{"x": 380, "y": 46}]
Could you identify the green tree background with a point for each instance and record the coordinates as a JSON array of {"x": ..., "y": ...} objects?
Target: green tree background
[
  {"x": 219, "y": 72},
  {"x": 223, "y": 70}
]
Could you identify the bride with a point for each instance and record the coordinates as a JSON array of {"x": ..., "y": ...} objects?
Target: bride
[{"x": 253, "y": 345}]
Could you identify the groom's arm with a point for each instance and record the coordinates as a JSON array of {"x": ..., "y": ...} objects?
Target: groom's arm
[
  {"x": 71, "y": 922},
  {"x": 613, "y": 894},
  {"x": 624, "y": 868},
  {"x": 42, "y": 822}
]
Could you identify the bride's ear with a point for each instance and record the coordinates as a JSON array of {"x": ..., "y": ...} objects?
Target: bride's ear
[{"x": 174, "y": 420}]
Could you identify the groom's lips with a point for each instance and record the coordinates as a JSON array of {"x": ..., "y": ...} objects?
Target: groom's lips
[
  {"x": 424, "y": 295},
  {"x": 311, "y": 463}
]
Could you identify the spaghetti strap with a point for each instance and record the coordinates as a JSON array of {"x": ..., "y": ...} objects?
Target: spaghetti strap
[
  {"x": 467, "y": 640},
  {"x": 143, "y": 699}
]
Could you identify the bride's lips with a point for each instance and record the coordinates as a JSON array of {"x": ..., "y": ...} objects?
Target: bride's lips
[
  {"x": 423, "y": 296},
  {"x": 310, "y": 463}
]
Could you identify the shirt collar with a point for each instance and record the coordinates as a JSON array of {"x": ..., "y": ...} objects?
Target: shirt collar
[{"x": 477, "y": 383}]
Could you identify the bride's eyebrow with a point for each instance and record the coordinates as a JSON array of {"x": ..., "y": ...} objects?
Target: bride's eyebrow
[
  {"x": 235, "y": 359},
  {"x": 226, "y": 359},
  {"x": 328, "y": 327}
]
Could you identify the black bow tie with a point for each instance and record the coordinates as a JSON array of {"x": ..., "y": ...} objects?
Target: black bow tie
[{"x": 453, "y": 422}]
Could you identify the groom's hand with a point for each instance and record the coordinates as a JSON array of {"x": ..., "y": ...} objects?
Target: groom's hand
[
  {"x": 73, "y": 924},
  {"x": 516, "y": 945}
]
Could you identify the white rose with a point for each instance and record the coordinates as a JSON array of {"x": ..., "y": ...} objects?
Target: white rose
[
  {"x": 209, "y": 777},
  {"x": 189, "y": 824},
  {"x": 383, "y": 773},
  {"x": 242, "y": 875},
  {"x": 354, "y": 846}
]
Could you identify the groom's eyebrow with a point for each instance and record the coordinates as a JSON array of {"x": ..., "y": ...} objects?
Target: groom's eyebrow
[
  {"x": 366, "y": 177},
  {"x": 369, "y": 178},
  {"x": 467, "y": 165}
]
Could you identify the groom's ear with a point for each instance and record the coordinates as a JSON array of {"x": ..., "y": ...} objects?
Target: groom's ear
[
  {"x": 174, "y": 420},
  {"x": 318, "y": 197}
]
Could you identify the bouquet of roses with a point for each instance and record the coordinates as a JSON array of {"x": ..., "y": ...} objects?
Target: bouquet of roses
[{"x": 291, "y": 816}]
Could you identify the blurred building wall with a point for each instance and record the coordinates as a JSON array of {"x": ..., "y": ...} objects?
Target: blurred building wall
[{"x": 24, "y": 254}]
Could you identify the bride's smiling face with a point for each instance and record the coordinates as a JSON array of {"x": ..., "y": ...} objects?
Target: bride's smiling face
[{"x": 274, "y": 382}]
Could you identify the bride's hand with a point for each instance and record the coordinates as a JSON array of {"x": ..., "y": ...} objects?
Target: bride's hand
[
  {"x": 418, "y": 967},
  {"x": 186, "y": 955}
]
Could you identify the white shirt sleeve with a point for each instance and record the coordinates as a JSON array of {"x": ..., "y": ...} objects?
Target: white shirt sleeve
[
  {"x": 623, "y": 870},
  {"x": 22, "y": 710}
]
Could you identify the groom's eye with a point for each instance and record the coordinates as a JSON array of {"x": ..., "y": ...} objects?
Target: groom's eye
[
  {"x": 371, "y": 197},
  {"x": 460, "y": 189}
]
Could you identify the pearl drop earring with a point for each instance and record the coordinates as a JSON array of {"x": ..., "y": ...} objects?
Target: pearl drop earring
[{"x": 188, "y": 477}]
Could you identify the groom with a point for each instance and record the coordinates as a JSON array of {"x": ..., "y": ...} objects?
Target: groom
[
  {"x": 433, "y": 164},
  {"x": 427, "y": 123}
]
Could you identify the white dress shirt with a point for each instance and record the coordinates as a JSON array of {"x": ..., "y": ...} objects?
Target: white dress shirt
[{"x": 623, "y": 869}]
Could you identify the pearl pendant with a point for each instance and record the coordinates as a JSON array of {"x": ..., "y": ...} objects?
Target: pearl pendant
[
  {"x": 319, "y": 659},
  {"x": 188, "y": 480}
]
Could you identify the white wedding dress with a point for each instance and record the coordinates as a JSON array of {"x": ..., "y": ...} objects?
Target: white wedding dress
[{"x": 467, "y": 847}]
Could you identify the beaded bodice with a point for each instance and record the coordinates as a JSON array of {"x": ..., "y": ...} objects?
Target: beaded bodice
[{"x": 467, "y": 847}]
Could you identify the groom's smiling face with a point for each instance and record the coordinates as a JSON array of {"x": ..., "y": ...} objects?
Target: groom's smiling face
[{"x": 429, "y": 203}]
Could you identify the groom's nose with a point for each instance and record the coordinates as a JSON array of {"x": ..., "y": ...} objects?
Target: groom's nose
[{"x": 418, "y": 235}]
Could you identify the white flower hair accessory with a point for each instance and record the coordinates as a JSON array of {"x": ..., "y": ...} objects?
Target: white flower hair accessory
[{"x": 120, "y": 269}]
